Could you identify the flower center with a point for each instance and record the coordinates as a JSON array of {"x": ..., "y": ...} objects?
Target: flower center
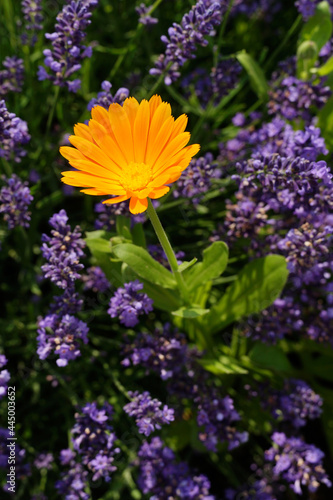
[{"x": 136, "y": 176}]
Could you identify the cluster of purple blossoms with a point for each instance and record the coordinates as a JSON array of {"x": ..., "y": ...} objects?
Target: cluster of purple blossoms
[
  {"x": 293, "y": 98},
  {"x": 185, "y": 37},
  {"x": 278, "y": 185},
  {"x": 105, "y": 98},
  {"x": 4, "y": 376},
  {"x": 197, "y": 179},
  {"x": 145, "y": 18},
  {"x": 298, "y": 463},
  {"x": 217, "y": 416},
  {"x": 60, "y": 331},
  {"x": 307, "y": 8},
  {"x": 68, "y": 51},
  {"x": 296, "y": 403},
  {"x": 167, "y": 354},
  {"x": 214, "y": 86},
  {"x": 307, "y": 251},
  {"x": 95, "y": 280},
  {"x": 15, "y": 199},
  {"x": 32, "y": 13},
  {"x": 94, "y": 444},
  {"x": 61, "y": 335},
  {"x": 44, "y": 461},
  {"x": 13, "y": 135},
  {"x": 162, "y": 477},
  {"x": 127, "y": 304},
  {"x": 263, "y": 9},
  {"x": 11, "y": 78},
  {"x": 63, "y": 250},
  {"x": 275, "y": 137},
  {"x": 74, "y": 480},
  {"x": 148, "y": 412}
]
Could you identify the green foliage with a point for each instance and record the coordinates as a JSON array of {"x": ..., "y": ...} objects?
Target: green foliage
[
  {"x": 215, "y": 259},
  {"x": 256, "y": 287},
  {"x": 255, "y": 73},
  {"x": 270, "y": 357}
]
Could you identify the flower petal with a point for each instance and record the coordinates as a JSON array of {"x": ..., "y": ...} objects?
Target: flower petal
[
  {"x": 107, "y": 145},
  {"x": 131, "y": 106},
  {"x": 158, "y": 192},
  {"x": 140, "y": 131},
  {"x": 138, "y": 206},
  {"x": 155, "y": 148},
  {"x": 171, "y": 149},
  {"x": 118, "y": 199},
  {"x": 121, "y": 128},
  {"x": 82, "y": 130}
]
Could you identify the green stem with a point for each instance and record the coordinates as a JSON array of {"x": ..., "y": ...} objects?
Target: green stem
[
  {"x": 163, "y": 239},
  {"x": 286, "y": 39},
  {"x": 222, "y": 30},
  {"x": 50, "y": 118}
]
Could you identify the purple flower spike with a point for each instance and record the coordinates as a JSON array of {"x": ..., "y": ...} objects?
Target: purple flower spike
[
  {"x": 128, "y": 304},
  {"x": 68, "y": 51},
  {"x": 13, "y": 135},
  {"x": 148, "y": 412},
  {"x": 11, "y": 78},
  {"x": 15, "y": 199}
]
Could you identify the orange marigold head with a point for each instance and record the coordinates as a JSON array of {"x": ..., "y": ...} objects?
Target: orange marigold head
[{"x": 132, "y": 152}]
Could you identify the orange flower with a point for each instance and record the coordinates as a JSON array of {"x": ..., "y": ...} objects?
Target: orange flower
[{"x": 131, "y": 151}]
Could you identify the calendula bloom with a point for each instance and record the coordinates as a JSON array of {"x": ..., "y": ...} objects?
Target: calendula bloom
[{"x": 132, "y": 152}]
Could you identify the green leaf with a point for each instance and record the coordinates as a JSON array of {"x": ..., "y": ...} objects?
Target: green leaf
[
  {"x": 138, "y": 236},
  {"x": 318, "y": 28},
  {"x": 123, "y": 226},
  {"x": 223, "y": 365},
  {"x": 186, "y": 264},
  {"x": 257, "y": 286},
  {"x": 215, "y": 259},
  {"x": 144, "y": 265},
  {"x": 325, "y": 122},
  {"x": 307, "y": 54},
  {"x": 163, "y": 298},
  {"x": 269, "y": 356},
  {"x": 190, "y": 312},
  {"x": 325, "y": 69},
  {"x": 99, "y": 245},
  {"x": 255, "y": 73}
]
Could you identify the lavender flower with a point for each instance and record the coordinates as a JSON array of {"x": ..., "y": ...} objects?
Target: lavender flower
[
  {"x": 13, "y": 135},
  {"x": 61, "y": 335},
  {"x": 32, "y": 12},
  {"x": 167, "y": 354},
  {"x": 163, "y": 478},
  {"x": 296, "y": 403},
  {"x": 93, "y": 439},
  {"x": 11, "y": 78},
  {"x": 95, "y": 280},
  {"x": 4, "y": 376},
  {"x": 306, "y": 8},
  {"x": 217, "y": 415},
  {"x": 197, "y": 179},
  {"x": 307, "y": 251},
  {"x": 148, "y": 412},
  {"x": 297, "y": 462},
  {"x": 67, "y": 49},
  {"x": 265, "y": 9},
  {"x": 62, "y": 250},
  {"x": 184, "y": 38},
  {"x": 127, "y": 304},
  {"x": 60, "y": 332},
  {"x": 73, "y": 482},
  {"x": 145, "y": 18},
  {"x": 15, "y": 199},
  {"x": 107, "y": 215},
  {"x": 44, "y": 461},
  {"x": 293, "y": 99},
  {"x": 214, "y": 86},
  {"x": 105, "y": 98}
]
